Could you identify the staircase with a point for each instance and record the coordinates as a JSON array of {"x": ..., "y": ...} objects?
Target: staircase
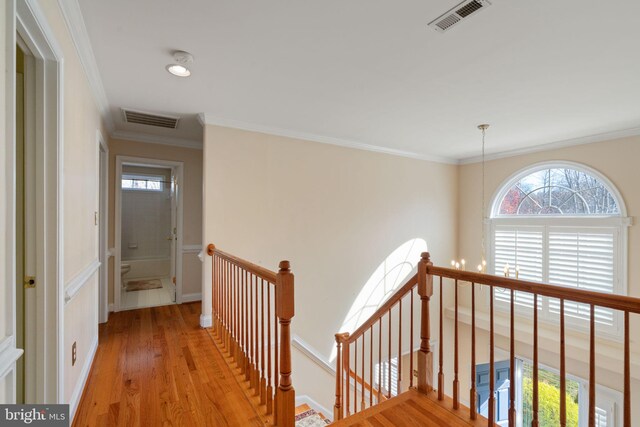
[
  {"x": 385, "y": 368},
  {"x": 374, "y": 386}
]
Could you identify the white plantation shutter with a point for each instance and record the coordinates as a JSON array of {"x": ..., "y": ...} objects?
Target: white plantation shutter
[
  {"x": 522, "y": 247},
  {"x": 601, "y": 417},
  {"x": 387, "y": 369},
  {"x": 583, "y": 259}
]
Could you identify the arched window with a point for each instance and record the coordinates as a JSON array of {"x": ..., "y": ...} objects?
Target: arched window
[{"x": 564, "y": 224}]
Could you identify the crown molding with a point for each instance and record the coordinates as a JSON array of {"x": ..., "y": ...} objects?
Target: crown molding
[
  {"x": 156, "y": 139},
  {"x": 207, "y": 119},
  {"x": 78, "y": 31},
  {"x": 589, "y": 139}
]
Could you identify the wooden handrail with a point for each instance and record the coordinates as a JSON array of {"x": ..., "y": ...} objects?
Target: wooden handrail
[
  {"x": 384, "y": 308},
  {"x": 365, "y": 384},
  {"x": 625, "y": 304},
  {"x": 616, "y": 302},
  {"x": 344, "y": 373},
  {"x": 423, "y": 280},
  {"x": 239, "y": 311},
  {"x": 259, "y": 271}
]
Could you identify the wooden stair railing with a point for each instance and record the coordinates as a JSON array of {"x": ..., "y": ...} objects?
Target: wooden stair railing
[
  {"x": 369, "y": 338},
  {"x": 252, "y": 312},
  {"x": 347, "y": 344}
]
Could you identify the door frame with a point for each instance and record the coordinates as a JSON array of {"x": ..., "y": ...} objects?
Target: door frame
[
  {"x": 103, "y": 227},
  {"x": 178, "y": 171},
  {"x": 27, "y": 20}
]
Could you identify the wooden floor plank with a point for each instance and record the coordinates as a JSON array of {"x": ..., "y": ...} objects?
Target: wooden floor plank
[
  {"x": 157, "y": 367},
  {"x": 411, "y": 409}
]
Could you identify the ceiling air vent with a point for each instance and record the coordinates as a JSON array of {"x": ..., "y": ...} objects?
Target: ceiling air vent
[
  {"x": 142, "y": 118},
  {"x": 456, "y": 14}
]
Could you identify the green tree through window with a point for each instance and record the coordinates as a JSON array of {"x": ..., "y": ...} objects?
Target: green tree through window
[{"x": 548, "y": 398}]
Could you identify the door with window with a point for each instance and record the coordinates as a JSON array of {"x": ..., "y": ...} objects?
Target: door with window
[{"x": 502, "y": 384}]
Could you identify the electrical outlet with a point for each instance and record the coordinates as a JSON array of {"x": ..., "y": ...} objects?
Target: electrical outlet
[{"x": 73, "y": 353}]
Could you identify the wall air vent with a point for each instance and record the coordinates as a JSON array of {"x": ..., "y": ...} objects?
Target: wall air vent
[
  {"x": 458, "y": 13},
  {"x": 149, "y": 119}
]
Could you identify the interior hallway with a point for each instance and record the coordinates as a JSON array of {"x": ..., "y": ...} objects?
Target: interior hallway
[{"x": 156, "y": 366}]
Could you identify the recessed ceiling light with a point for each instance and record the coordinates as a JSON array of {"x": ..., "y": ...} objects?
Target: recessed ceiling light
[{"x": 179, "y": 68}]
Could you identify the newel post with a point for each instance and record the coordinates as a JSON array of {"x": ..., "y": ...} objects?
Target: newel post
[
  {"x": 425, "y": 356},
  {"x": 338, "y": 412},
  {"x": 285, "y": 396}
]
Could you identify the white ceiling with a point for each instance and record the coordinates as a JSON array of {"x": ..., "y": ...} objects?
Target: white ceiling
[{"x": 372, "y": 72}]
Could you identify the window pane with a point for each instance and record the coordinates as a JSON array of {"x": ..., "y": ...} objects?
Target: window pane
[
  {"x": 548, "y": 397},
  {"x": 558, "y": 191},
  {"x": 143, "y": 182},
  {"x": 153, "y": 185}
]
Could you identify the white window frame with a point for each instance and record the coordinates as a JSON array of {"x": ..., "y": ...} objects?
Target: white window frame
[
  {"x": 580, "y": 222},
  {"x": 607, "y": 397}
]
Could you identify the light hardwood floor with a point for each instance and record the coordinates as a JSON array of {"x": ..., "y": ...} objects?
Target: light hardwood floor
[
  {"x": 157, "y": 367},
  {"x": 412, "y": 409}
]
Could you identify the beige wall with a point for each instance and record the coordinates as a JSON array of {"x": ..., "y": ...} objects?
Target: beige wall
[
  {"x": 192, "y": 159},
  {"x": 617, "y": 160},
  {"x": 335, "y": 213}
]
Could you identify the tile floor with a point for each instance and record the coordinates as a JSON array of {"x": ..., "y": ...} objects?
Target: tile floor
[{"x": 147, "y": 298}]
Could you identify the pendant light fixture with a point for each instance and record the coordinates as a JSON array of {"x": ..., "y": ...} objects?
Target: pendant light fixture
[{"x": 483, "y": 266}]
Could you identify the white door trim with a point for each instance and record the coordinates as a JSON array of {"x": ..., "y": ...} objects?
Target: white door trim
[
  {"x": 31, "y": 24},
  {"x": 179, "y": 173},
  {"x": 103, "y": 226}
]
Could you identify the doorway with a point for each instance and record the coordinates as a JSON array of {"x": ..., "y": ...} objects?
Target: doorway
[
  {"x": 148, "y": 233},
  {"x": 25, "y": 224},
  {"x": 33, "y": 209}
]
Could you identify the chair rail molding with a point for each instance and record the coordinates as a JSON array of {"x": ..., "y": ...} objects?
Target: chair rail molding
[
  {"x": 81, "y": 279},
  {"x": 191, "y": 249},
  {"x": 9, "y": 354},
  {"x": 312, "y": 354}
]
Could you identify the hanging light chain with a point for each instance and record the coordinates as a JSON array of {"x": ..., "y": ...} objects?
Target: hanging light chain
[{"x": 483, "y": 128}]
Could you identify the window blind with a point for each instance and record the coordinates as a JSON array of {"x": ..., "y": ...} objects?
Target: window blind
[
  {"x": 582, "y": 260},
  {"x": 522, "y": 247},
  {"x": 388, "y": 368}
]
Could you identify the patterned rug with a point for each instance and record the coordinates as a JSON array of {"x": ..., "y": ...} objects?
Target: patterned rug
[
  {"x": 143, "y": 285},
  {"x": 310, "y": 418}
]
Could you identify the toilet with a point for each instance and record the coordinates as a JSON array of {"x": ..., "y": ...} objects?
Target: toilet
[{"x": 124, "y": 269}]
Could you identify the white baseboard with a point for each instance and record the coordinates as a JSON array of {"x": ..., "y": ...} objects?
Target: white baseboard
[
  {"x": 206, "y": 320},
  {"x": 300, "y": 400},
  {"x": 111, "y": 308},
  {"x": 192, "y": 297},
  {"x": 84, "y": 375}
]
